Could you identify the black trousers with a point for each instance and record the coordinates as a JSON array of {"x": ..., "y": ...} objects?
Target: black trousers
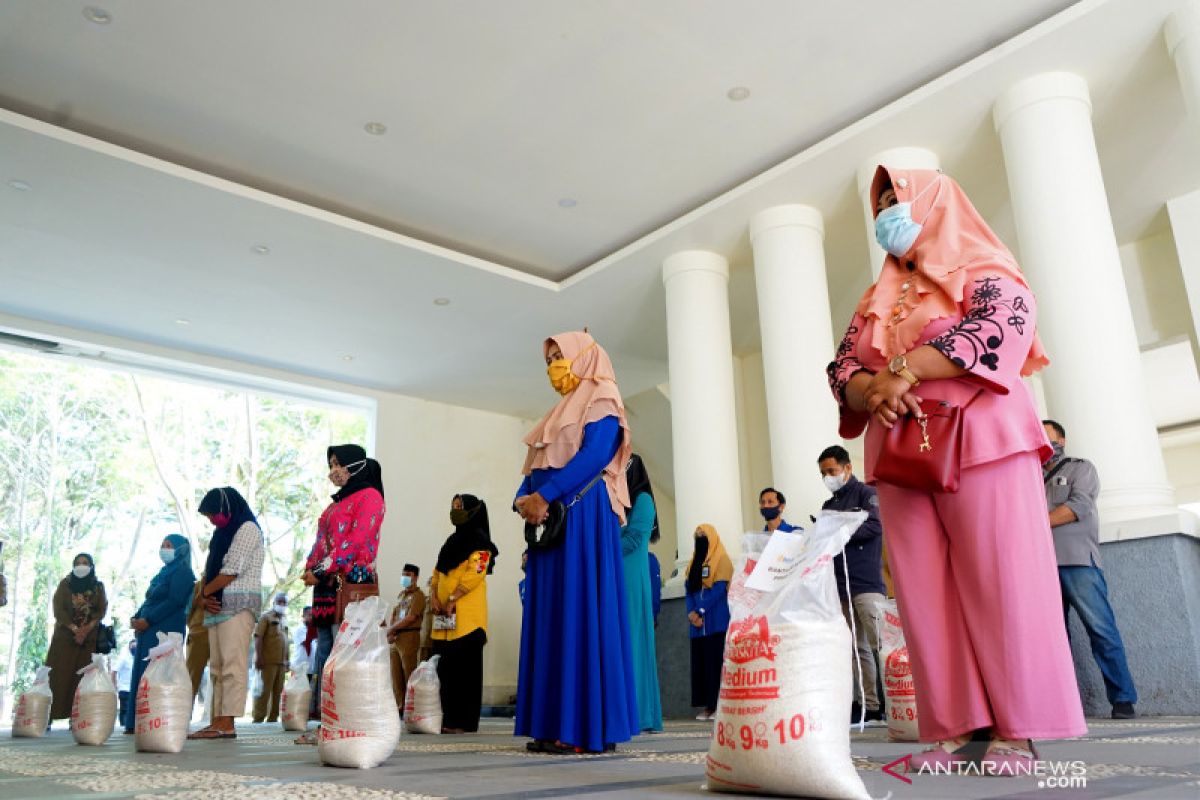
[
  {"x": 708, "y": 655},
  {"x": 460, "y": 670}
]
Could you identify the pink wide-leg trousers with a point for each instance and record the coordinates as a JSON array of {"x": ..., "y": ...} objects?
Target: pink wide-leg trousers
[{"x": 977, "y": 586}]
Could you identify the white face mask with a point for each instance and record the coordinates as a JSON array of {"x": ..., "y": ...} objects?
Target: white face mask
[
  {"x": 405, "y": 581},
  {"x": 834, "y": 482},
  {"x": 167, "y": 554},
  {"x": 281, "y": 608},
  {"x": 82, "y": 571}
]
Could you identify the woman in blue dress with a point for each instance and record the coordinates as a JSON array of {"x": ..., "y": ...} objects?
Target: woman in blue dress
[
  {"x": 165, "y": 610},
  {"x": 576, "y": 689},
  {"x": 641, "y": 528}
]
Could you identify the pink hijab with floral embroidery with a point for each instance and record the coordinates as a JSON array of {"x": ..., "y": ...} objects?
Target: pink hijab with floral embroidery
[{"x": 954, "y": 247}]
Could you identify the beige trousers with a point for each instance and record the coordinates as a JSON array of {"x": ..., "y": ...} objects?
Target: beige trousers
[{"x": 228, "y": 659}]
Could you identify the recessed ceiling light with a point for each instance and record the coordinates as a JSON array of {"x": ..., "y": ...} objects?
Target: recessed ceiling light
[
  {"x": 97, "y": 15},
  {"x": 347, "y": 358},
  {"x": 20, "y": 186},
  {"x": 567, "y": 202},
  {"x": 375, "y": 128},
  {"x": 441, "y": 301},
  {"x": 182, "y": 321},
  {"x": 260, "y": 249},
  {"x": 738, "y": 93}
]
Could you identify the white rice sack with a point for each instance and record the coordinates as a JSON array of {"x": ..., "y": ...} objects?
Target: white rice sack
[
  {"x": 94, "y": 708},
  {"x": 164, "y": 698},
  {"x": 297, "y": 697},
  {"x": 360, "y": 724},
  {"x": 780, "y": 726},
  {"x": 32, "y": 713},
  {"x": 899, "y": 690},
  {"x": 423, "y": 699}
]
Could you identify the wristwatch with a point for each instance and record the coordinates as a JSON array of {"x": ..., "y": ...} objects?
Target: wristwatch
[{"x": 899, "y": 366}]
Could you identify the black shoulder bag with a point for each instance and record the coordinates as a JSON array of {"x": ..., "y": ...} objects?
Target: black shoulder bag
[{"x": 553, "y": 530}]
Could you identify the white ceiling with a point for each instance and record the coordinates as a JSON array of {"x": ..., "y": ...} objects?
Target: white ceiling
[
  {"x": 493, "y": 117},
  {"x": 495, "y": 110}
]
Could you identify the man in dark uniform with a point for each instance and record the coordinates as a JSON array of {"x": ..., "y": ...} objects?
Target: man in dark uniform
[
  {"x": 864, "y": 556},
  {"x": 1071, "y": 489},
  {"x": 271, "y": 645}
]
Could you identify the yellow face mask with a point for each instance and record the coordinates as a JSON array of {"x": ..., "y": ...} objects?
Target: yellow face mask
[{"x": 561, "y": 378}]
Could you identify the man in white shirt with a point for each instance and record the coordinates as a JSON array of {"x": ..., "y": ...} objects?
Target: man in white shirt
[{"x": 124, "y": 674}]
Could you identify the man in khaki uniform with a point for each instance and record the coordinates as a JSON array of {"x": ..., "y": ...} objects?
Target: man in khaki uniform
[
  {"x": 404, "y": 631},
  {"x": 271, "y": 646},
  {"x": 197, "y": 640}
]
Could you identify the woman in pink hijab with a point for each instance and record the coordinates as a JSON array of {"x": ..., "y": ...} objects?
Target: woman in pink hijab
[
  {"x": 952, "y": 318},
  {"x": 575, "y": 686}
]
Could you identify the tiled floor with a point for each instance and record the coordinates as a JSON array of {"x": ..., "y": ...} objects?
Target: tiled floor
[{"x": 1155, "y": 758}]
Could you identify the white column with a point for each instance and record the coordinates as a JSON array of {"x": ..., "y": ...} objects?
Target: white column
[
  {"x": 797, "y": 344},
  {"x": 1182, "y": 33},
  {"x": 1094, "y": 384},
  {"x": 703, "y": 410},
  {"x": 903, "y": 158}
]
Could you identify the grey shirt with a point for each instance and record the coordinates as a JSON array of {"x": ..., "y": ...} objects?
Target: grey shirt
[{"x": 1075, "y": 484}]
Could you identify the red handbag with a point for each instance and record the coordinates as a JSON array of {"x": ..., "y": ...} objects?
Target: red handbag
[{"x": 924, "y": 454}]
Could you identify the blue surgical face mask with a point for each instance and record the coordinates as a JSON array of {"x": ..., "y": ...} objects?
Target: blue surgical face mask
[
  {"x": 769, "y": 513},
  {"x": 895, "y": 229},
  {"x": 167, "y": 554},
  {"x": 405, "y": 581}
]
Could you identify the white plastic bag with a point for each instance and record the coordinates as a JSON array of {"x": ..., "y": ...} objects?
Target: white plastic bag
[
  {"x": 32, "y": 714},
  {"x": 256, "y": 684},
  {"x": 899, "y": 690},
  {"x": 297, "y": 697},
  {"x": 423, "y": 699},
  {"x": 360, "y": 725},
  {"x": 781, "y": 721},
  {"x": 164, "y": 698},
  {"x": 94, "y": 708}
]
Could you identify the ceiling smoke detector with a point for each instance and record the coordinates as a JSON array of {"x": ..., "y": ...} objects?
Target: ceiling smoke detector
[
  {"x": 441, "y": 301},
  {"x": 738, "y": 93},
  {"x": 260, "y": 250},
  {"x": 19, "y": 185},
  {"x": 375, "y": 128}
]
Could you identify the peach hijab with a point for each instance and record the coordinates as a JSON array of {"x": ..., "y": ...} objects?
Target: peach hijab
[
  {"x": 955, "y": 247},
  {"x": 558, "y": 436}
]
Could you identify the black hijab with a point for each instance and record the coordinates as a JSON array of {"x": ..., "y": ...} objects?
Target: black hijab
[
  {"x": 638, "y": 482},
  {"x": 225, "y": 500},
  {"x": 472, "y": 536},
  {"x": 81, "y": 585},
  {"x": 695, "y": 578},
  {"x": 365, "y": 475}
]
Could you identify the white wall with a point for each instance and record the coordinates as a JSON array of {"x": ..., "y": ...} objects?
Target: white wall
[
  {"x": 430, "y": 452},
  {"x": 1157, "y": 295},
  {"x": 1184, "y": 213}
]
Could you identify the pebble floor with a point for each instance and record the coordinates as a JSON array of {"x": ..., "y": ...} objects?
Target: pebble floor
[{"x": 1147, "y": 758}]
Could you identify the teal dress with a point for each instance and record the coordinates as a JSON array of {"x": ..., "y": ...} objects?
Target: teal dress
[{"x": 639, "y": 605}]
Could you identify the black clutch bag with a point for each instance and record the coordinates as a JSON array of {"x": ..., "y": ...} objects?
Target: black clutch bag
[{"x": 553, "y": 530}]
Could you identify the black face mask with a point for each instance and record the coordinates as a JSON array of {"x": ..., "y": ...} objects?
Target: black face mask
[
  {"x": 769, "y": 513},
  {"x": 459, "y": 516}
]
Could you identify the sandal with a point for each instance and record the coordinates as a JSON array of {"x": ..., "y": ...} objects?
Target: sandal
[
  {"x": 548, "y": 748},
  {"x": 308, "y": 737},
  {"x": 212, "y": 733},
  {"x": 1009, "y": 761}
]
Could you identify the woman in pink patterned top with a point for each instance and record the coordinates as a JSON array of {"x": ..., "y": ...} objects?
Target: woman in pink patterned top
[
  {"x": 346, "y": 548},
  {"x": 952, "y": 318}
]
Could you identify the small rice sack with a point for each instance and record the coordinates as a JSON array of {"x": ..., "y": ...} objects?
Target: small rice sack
[
  {"x": 780, "y": 726},
  {"x": 164, "y": 698},
  {"x": 32, "y": 713},
  {"x": 94, "y": 708},
  {"x": 360, "y": 724},
  {"x": 297, "y": 697},
  {"x": 899, "y": 690},
  {"x": 423, "y": 699}
]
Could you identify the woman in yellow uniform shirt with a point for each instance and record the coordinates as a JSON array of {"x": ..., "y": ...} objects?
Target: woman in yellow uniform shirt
[{"x": 459, "y": 600}]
